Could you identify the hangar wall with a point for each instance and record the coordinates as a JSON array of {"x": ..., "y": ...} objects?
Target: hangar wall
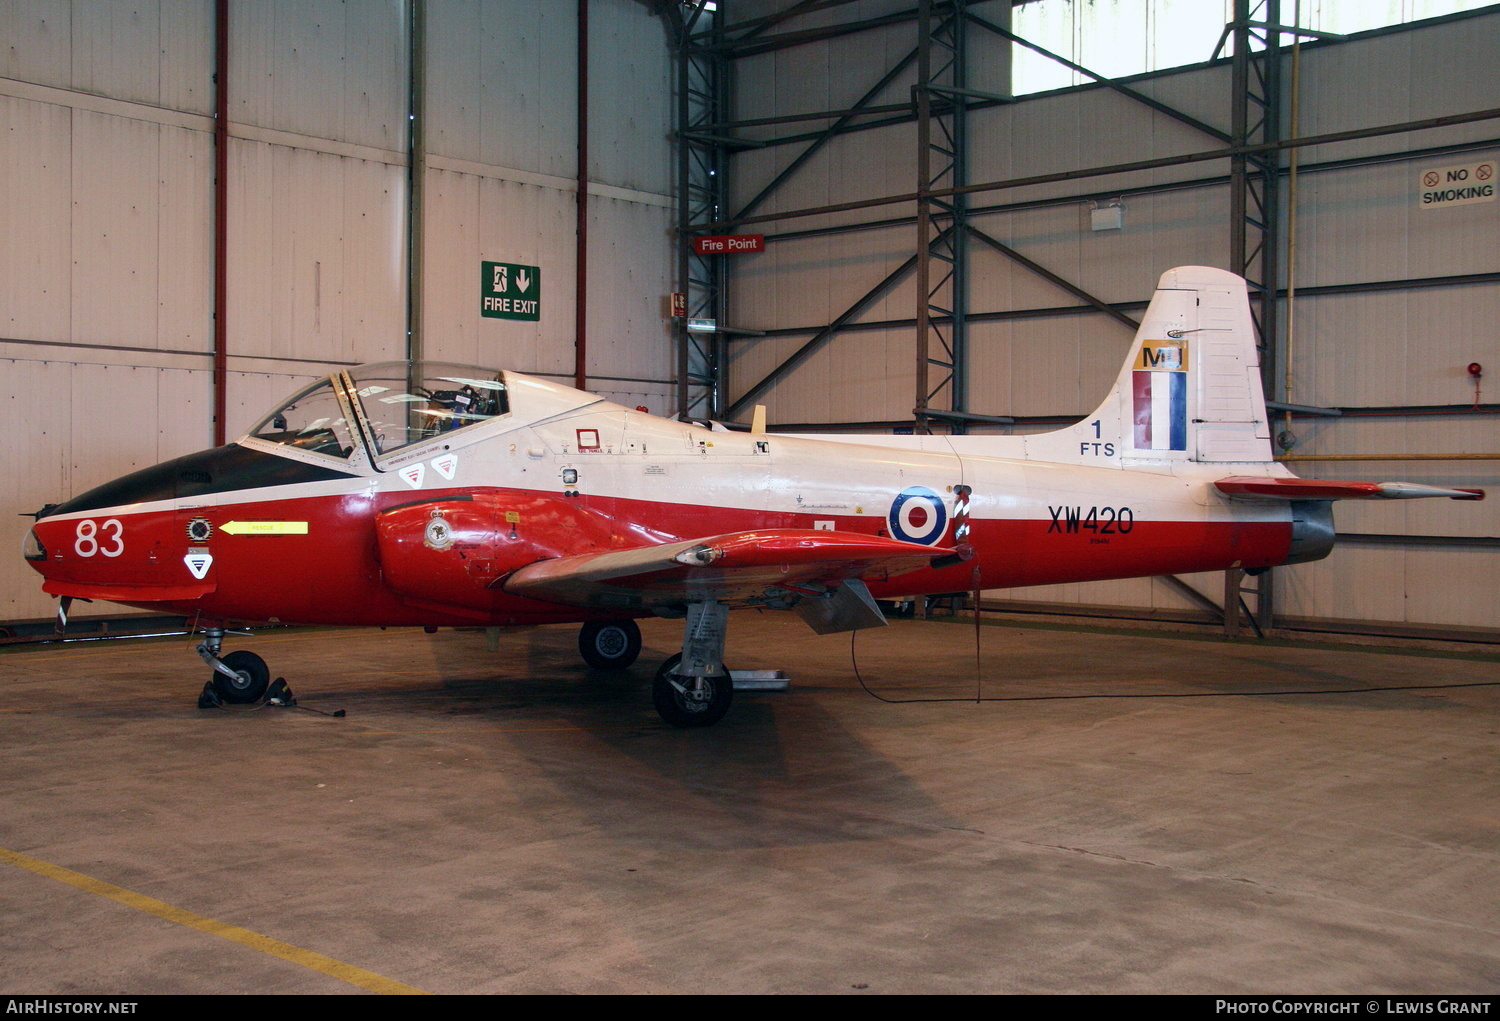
[
  {"x": 107, "y": 201},
  {"x": 1358, "y": 223}
]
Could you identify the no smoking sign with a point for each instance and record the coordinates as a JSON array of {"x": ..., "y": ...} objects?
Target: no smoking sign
[{"x": 1457, "y": 186}]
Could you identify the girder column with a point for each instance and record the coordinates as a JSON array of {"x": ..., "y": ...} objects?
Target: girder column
[
  {"x": 1254, "y": 212},
  {"x": 702, "y": 100},
  {"x": 940, "y": 96}
]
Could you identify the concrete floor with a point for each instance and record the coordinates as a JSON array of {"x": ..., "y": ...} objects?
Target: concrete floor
[{"x": 511, "y": 822}]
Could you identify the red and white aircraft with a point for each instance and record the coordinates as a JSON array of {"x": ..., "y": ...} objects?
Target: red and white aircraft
[{"x": 443, "y": 495}]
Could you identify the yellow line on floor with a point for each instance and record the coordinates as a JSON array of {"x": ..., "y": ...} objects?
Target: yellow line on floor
[{"x": 254, "y": 940}]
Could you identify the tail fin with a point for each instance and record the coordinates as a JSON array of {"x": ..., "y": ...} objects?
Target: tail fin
[{"x": 1190, "y": 389}]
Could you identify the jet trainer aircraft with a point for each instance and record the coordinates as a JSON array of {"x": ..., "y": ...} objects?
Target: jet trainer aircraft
[{"x": 430, "y": 494}]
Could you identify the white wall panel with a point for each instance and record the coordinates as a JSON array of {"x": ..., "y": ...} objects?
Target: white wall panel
[
  {"x": 116, "y": 48},
  {"x": 323, "y": 68},
  {"x": 157, "y": 52},
  {"x": 184, "y": 225},
  {"x": 1403, "y": 347},
  {"x": 42, "y": 47},
  {"x": 35, "y": 211},
  {"x": 502, "y": 125},
  {"x": 502, "y": 86},
  {"x": 630, "y": 274},
  {"x": 109, "y": 221},
  {"x": 374, "y": 247},
  {"x": 187, "y": 55},
  {"x": 1412, "y": 75},
  {"x": 863, "y": 375},
  {"x": 1453, "y": 587},
  {"x": 114, "y": 238},
  {"x": 1446, "y": 587},
  {"x": 317, "y": 269},
  {"x": 450, "y": 325},
  {"x": 184, "y": 419},
  {"x": 375, "y": 104},
  {"x": 630, "y": 98},
  {"x": 532, "y": 225}
]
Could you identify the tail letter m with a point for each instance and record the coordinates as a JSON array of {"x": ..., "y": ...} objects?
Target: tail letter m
[{"x": 1162, "y": 356}]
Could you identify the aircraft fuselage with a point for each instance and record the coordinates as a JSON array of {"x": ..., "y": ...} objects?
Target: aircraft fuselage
[{"x": 309, "y": 551}]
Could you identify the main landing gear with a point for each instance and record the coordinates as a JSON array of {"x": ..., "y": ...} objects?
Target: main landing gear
[
  {"x": 692, "y": 688},
  {"x": 609, "y": 644},
  {"x": 238, "y": 678}
]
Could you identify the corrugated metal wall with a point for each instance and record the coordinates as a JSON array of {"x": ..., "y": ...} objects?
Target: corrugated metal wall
[
  {"x": 1355, "y": 225},
  {"x": 106, "y": 203}
]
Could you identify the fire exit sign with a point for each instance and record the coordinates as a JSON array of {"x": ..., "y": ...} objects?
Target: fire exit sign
[{"x": 508, "y": 290}]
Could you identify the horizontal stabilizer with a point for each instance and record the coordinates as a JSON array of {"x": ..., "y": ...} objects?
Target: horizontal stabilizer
[
  {"x": 1255, "y": 487},
  {"x": 733, "y": 568}
]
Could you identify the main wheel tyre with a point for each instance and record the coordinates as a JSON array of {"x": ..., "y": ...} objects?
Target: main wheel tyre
[
  {"x": 609, "y": 644},
  {"x": 249, "y": 682},
  {"x": 690, "y": 701}
]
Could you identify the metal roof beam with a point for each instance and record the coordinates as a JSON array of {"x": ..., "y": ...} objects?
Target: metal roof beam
[
  {"x": 735, "y": 49},
  {"x": 801, "y": 354},
  {"x": 1123, "y": 168},
  {"x": 828, "y": 133},
  {"x": 1057, "y": 281},
  {"x": 1123, "y": 90}
]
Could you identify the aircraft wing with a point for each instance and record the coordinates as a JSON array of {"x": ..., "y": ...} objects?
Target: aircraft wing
[
  {"x": 1258, "y": 487},
  {"x": 732, "y": 568}
]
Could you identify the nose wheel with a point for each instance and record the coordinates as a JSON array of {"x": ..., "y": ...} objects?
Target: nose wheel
[
  {"x": 247, "y": 681},
  {"x": 238, "y": 678}
]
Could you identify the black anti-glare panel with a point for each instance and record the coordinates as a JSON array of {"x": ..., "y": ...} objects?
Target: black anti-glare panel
[{"x": 223, "y": 469}]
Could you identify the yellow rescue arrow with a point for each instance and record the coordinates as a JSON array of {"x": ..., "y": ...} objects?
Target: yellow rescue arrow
[{"x": 264, "y": 527}]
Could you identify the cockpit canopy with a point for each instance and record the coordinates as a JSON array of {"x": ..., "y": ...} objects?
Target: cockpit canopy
[
  {"x": 407, "y": 402},
  {"x": 390, "y": 405},
  {"x": 313, "y": 420}
]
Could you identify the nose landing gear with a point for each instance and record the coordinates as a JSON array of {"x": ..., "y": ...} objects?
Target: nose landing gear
[{"x": 238, "y": 678}]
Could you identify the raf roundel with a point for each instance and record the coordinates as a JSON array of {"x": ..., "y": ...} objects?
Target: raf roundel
[{"x": 918, "y": 515}]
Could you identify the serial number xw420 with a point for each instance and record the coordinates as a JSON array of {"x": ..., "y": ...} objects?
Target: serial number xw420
[{"x": 1101, "y": 520}]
